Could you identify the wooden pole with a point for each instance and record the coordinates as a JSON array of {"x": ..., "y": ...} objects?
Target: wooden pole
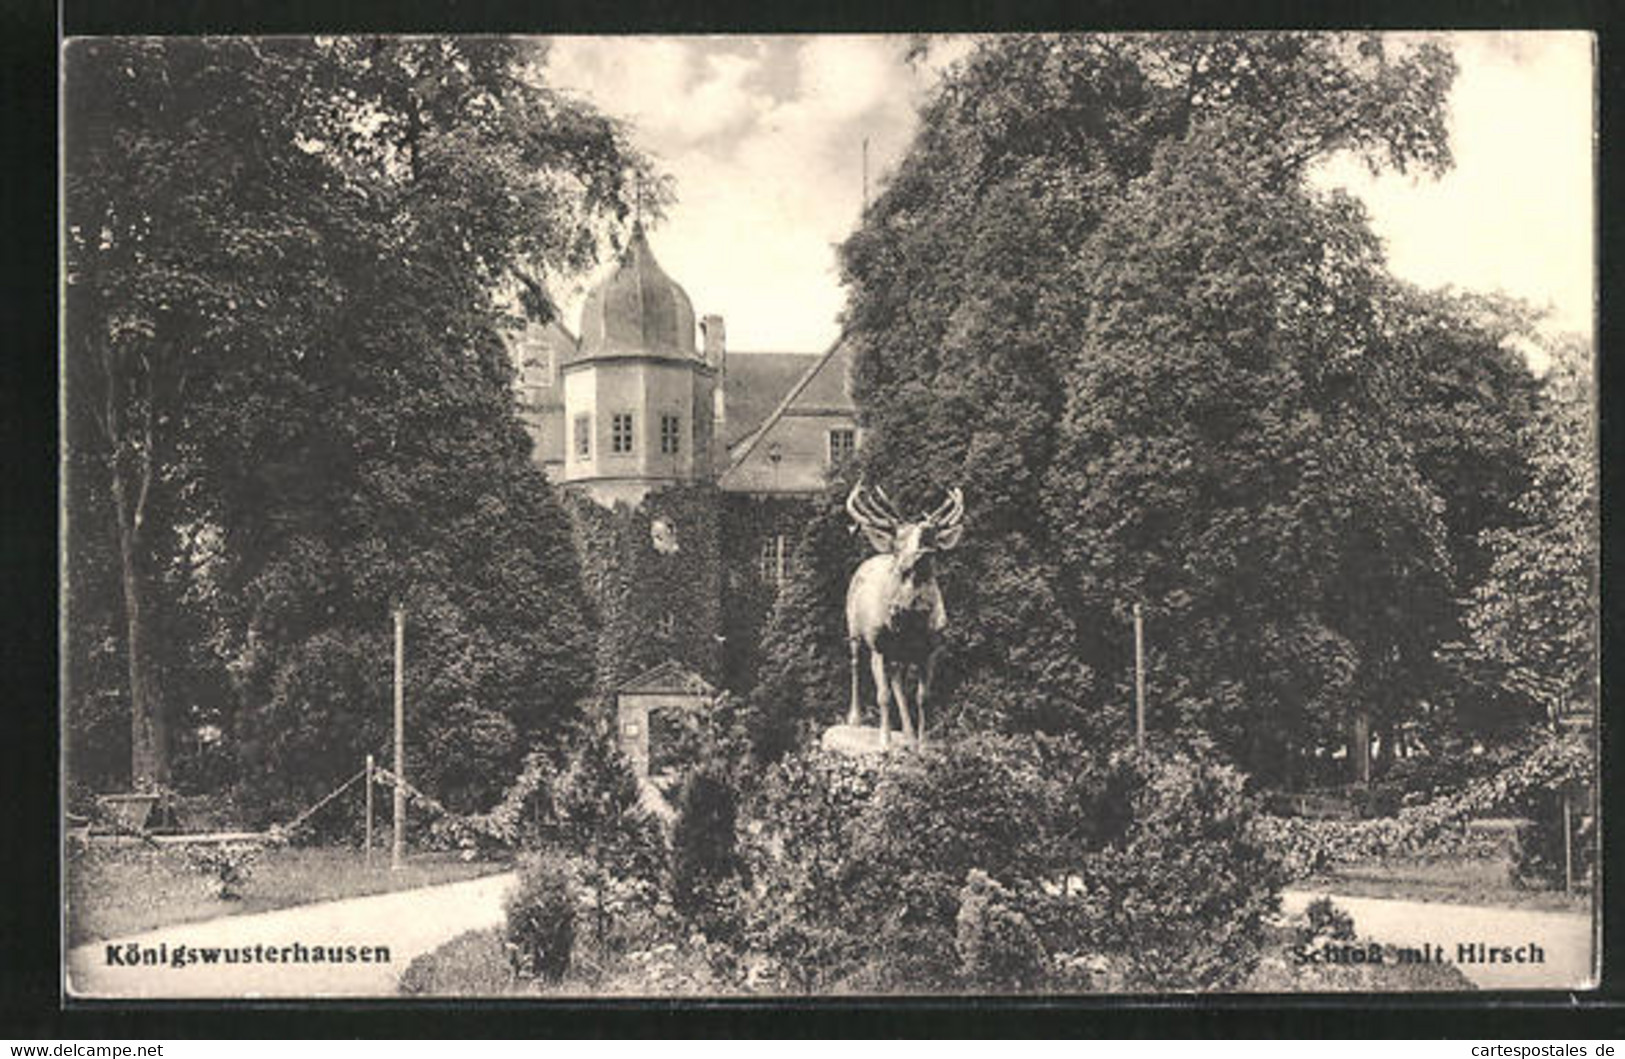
[
  {"x": 397, "y": 848},
  {"x": 1139, "y": 679},
  {"x": 1568, "y": 840},
  {"x": 369, "y": 811},
  {"x": 866, "y": 174}
]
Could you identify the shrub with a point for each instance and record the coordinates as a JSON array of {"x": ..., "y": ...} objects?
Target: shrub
[
  {"x": 1181, "y": 894},
  {"x": 471, "y": 964},
  {"x": 596, "y": 815},
  {"x": 942, "y": 869},
  {"x": 704, "y": 844},
  {"x": 226, "y": 866},
  {"x": 1324, "y": 924},
  {"x": 998, "y": 949},
  {"x": 541, "y": 919},
  {"x": 596, "y": 806},
  {"x": 986, "y": 802},
  {"x": 800, "y": 825},
  {"x": 859, "y": 863},
  {"x": 1538, "y": 851}
]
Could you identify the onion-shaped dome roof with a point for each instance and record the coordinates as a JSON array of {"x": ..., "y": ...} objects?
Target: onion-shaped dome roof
[{"x": 638, "y": 310}]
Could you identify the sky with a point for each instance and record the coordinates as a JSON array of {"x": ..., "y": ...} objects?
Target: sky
[{"x": 763, "y": 137}]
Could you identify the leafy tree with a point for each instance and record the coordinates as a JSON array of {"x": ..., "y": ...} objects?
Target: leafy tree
[
  {"x": 1100, "y": 293},
  {"x": 1235, "y": 459},
  {"x": 1534, "y": 618},
  {"x": 1465, "y": 396},
  {"x": 286, "y": 269}
]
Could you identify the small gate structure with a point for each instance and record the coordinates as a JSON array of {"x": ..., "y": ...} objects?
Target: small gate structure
[{"x": 669, "y": 689}]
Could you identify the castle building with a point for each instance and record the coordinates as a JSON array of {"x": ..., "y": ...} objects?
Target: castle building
[
  {"x": 643, "y": 401},
  {"x": 646, "y": 397}
]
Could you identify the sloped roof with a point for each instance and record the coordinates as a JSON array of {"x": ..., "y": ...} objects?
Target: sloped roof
[
  {"x": 755, "y": 383},
  {"x": 669, "y": 677},
  {"x": 826, "y": 387},
  {"x": 822, "y": 385}
]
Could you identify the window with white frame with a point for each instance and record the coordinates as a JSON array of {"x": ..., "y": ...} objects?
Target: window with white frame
[
  {"x": 842, "y": 442},
  {"x": 620, "y": 433},
  {"x": 772, "y": 562}
]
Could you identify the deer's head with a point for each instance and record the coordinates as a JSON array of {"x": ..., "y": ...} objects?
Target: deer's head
[{"x": 911, "y": 541}]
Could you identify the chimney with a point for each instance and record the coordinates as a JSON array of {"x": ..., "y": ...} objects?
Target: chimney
[
  {"x": 715, "y": 340},
  {"x": 716, "y": 357}
]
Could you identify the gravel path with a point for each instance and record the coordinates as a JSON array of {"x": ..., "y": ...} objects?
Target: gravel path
[
  {"x": 1564, "y": 939},
  {"x": 408, "y": 922},
  {"x": 412, "y": 922}
]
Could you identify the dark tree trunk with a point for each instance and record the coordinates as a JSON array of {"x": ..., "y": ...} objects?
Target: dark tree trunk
[
  {"x": 1360, "y": 747},
  {"x": 149, "y": 742},
  {"x": 130, "y": 465}
]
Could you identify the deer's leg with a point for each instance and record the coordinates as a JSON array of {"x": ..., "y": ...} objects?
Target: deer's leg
[
  {"x": 877, "y": 667},
  {"x": 854, "y": 716},
  {"x": 928, "y": 675},
  {"x": 899, "y": 692}
]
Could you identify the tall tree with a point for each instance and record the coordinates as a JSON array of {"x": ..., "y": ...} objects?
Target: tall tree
[
  {"x": 285, "y": 264},
  {"x": 1236, "y": 459},
  {"x": 962, "y": 305},
  {"x": 1534, "y": 618}
]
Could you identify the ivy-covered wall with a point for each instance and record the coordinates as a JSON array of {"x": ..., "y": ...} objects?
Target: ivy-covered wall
[
  {"x": 653, "y": 604},
  {"x": 749, "y": 522},
  {"x": 706, "y": 604}
]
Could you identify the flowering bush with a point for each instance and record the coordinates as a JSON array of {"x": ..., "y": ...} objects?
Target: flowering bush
[{"x": 226, "y": 866}]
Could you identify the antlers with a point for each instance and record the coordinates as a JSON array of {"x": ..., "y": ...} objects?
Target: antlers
[
  {"x": 876, "y": 510},
  {"x": 948, "y": 514}
]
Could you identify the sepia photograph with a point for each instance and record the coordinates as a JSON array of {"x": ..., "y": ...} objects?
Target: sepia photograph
[{"x": 799, "y": 516}]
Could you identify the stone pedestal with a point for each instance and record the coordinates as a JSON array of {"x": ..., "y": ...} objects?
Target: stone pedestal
[{"x": 859, "y": 740}]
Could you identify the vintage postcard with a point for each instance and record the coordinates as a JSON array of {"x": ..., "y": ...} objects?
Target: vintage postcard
[{"x": 729, "y": 516}]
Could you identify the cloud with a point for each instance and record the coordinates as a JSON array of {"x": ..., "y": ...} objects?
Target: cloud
[
  {"x": 764, "y": 139},
  {"x": 1515, "y": 214},
  {"x": 671, "y": 91},
  {"x": 764, "y": 136}
]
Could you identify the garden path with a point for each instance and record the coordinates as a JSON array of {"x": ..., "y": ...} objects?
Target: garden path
[
  {"x": 409, "y": 922},
  {"x": 1564, "y": 938}
]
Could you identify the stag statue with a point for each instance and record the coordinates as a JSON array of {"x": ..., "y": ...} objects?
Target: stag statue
[{"x": 893, "y": 605}]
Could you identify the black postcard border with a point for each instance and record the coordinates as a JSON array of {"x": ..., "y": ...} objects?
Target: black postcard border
[{"x": 30, "y": 967}]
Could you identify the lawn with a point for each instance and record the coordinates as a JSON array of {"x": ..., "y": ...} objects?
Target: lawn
[
  {"x": 1482, "y": 880},
  {"x": 112, "y": 891}
]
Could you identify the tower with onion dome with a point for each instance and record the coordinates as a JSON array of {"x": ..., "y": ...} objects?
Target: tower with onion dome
[{"x": 638, "y": 396}]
